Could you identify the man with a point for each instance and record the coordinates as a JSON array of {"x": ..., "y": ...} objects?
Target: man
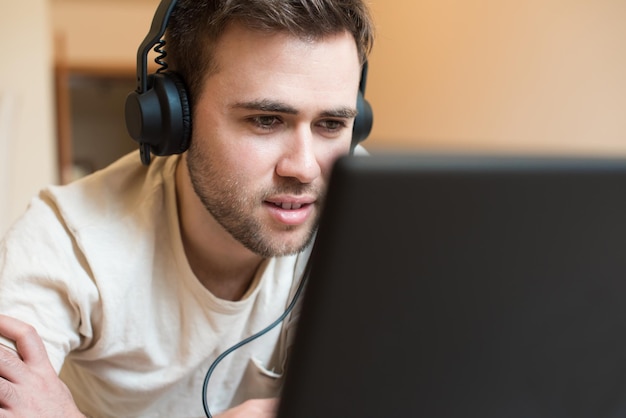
[{"x": 137, "y": 278}]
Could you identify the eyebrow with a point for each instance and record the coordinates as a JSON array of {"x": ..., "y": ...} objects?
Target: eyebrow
[
  {"x": 342, "y": 112},
  {"x": 267, "y": 105}
]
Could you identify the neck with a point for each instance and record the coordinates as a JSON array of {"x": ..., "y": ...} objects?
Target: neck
[{"x": 221, "y": 263}]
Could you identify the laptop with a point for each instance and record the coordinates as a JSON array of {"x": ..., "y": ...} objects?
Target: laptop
[{"x": 465, "y": 286}]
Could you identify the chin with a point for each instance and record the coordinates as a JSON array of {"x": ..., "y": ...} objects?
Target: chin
[{"x": 285, "y": 244}]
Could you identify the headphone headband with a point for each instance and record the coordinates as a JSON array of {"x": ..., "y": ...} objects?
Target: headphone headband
[{"x": 157, "y": 30}]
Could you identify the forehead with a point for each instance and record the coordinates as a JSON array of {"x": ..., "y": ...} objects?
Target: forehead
[{"x": 251, "y": 63}]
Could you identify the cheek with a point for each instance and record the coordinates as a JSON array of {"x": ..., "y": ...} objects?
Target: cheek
[{"x": 330, "y": 154}]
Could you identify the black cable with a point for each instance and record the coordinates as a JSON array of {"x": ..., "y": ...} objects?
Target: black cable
[
  {"x": 159, "y": 48},
  {"x": 253, "y": 337}
]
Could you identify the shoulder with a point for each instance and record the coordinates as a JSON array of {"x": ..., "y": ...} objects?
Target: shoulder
[
  {"x": 102, "y": 208},
  {"x": 114, "y": 193},
  {"x": 360, "y": 150}
]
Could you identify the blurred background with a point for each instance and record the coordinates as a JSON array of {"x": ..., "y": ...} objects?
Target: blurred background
[{"x": 504, "y": 76}]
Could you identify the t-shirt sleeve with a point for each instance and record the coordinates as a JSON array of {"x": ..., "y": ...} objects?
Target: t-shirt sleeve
[{"x": 46, "y": 281}]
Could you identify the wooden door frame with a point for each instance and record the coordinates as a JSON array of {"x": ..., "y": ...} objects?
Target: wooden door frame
[{"x": 64, "y": 70}]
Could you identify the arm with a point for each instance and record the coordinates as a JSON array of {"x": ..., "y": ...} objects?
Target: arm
[
  {"x": 30, "y": 386},
  {"x": 257, "y": 408}
]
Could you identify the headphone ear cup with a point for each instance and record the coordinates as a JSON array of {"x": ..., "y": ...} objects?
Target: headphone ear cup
[
  {"x": 363, "y": 121},
  {"x": 183, "y": 141},
  {"x": 161, "y": 117}
]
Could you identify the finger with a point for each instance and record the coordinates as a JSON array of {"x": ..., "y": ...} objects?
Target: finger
[
  {"x": 28, "y": 343},
  {"x": 8, "y": 396},
  {"x": 11, "y": 368},
  {"x": 4, "y": 347}
]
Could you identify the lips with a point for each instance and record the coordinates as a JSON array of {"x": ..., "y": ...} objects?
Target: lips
[
  {"x": 288, "y": 202},
  {"x": 290, "y": 210}
]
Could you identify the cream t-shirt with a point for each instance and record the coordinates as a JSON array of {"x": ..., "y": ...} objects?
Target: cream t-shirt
[{"x": 98, "y": 268}]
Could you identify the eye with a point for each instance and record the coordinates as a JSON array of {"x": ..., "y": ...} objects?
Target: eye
[
  {"x": 265, "y": 122},
  {"x": 332, "y": 125}
]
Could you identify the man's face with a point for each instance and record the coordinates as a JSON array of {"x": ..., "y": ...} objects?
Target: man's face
[{"x": 267, "y": 128}]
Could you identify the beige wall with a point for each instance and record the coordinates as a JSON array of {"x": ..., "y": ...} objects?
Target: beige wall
[
  {"x": 533, "y": 75},
  {"x": 27, "y": 126},
  {"x": 102, "y": 32}
]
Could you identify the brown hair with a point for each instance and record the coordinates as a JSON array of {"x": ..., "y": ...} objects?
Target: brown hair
[{"x": 196, "y": 25}]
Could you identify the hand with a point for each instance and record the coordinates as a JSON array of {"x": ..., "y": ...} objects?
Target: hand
[
  {"x": 29, "y": 385},
  {"x": 253, "y": 408}
]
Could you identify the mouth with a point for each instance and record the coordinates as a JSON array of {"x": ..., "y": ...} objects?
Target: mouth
[
  {"x": 287, "y": 202},
  {"x": 291, "y": 211},
  {"x": 288, "y": 205}
]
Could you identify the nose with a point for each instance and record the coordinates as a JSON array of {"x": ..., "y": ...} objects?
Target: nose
[{"x": 298, "y": 159}]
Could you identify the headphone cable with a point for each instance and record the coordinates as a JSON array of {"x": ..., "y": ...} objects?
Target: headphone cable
[{"x": 251, "y": 338}]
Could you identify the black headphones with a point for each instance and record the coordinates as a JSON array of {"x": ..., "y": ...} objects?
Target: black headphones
[{"x": 158, "y": 114}]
